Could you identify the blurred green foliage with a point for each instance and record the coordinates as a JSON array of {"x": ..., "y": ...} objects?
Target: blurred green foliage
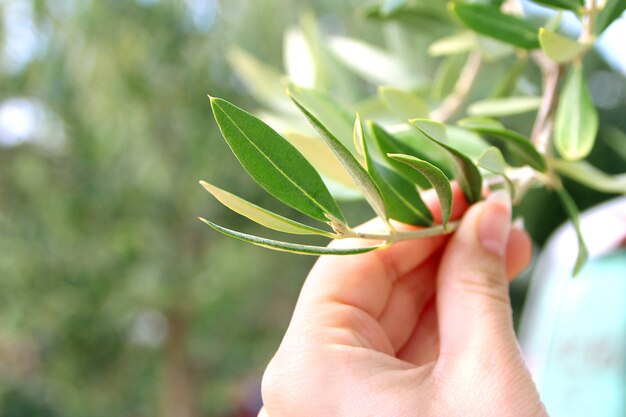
[
  {"x": 114, "y": 299},
  {"x": 100, "y": 248}
]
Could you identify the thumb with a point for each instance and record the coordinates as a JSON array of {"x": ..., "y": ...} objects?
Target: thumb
[{"x": 472, "y": 297}]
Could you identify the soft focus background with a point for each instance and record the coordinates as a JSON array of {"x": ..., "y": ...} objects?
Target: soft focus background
[{"x": 114, "y": 299}]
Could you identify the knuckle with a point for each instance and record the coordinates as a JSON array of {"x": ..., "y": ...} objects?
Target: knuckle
[{"x": 487, "y": 283}]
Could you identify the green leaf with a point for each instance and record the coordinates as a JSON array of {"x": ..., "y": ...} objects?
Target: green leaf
[
  {"x": 480, "y": 122},
  {"x": 466, "y": 141},
  {"x": 616, "y": 140},
  {"x": 359, "y": 175},
  {"x": 262, "y": 216},
  {"x": 289, "y": 247},
  {"x": 500, "y": 107},
  {"x": 576, "y": 123},
  {"x": 518, "y": 144},
  {"x": 423, "y": 18},
  {"x": 388, "y": 144},
  {"x": 417, "y": 144},
  {"x": 432, "y": 129},
  {"x": 401, "y": 198},
  {"x": 611, "y": 11},
  {"x": 466, "y": 173},
  {"x": 590, "y": 176},
  {"x": 493, "y": 50},
  {"x": 573, "y": 5},
  {"x": 507, "y": 85},
  {"x": 436, "y": 177},
  {"x": 273, "y": 162},
  {"x": 559, "y": 48},
  {"x": 459, "y": 43},
  {"x": 336, "y": 118},
  {"x": 402, "y": 104},
  {"x": 446, "y": 77},
  {"x": 321, "y": 157},
  {"x": 572, "y": 211},
  {"x": 493, "y": 161},
  {"x": 490, "y": 21}
]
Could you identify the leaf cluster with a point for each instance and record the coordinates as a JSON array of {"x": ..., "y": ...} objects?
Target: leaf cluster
[{"x": 391, "y": 148}]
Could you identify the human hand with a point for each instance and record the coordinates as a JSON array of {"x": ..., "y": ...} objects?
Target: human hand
[{"x": 423, "y": 328}]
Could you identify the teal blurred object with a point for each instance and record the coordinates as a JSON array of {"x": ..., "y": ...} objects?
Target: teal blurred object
[{"x": 573, "y": 331}]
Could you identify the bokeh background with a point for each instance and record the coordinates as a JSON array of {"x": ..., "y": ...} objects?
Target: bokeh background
[{"x": 114, "y": 299}]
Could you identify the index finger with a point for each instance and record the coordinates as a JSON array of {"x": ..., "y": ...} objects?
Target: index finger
[{"x": 365, "y": 281}]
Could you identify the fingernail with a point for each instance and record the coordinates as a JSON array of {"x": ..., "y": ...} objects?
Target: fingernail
[{"x": 495, "y": 222}]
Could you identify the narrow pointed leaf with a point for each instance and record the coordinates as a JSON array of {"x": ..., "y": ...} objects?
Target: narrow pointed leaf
[
  {"x": 321, "y": 157},
  {"x": 573, "y": 5},
  {"x": 493, "y": 49},
  {"x": 331, "y": 113},
  {"x": 359, "y": 175},
  {"x": 576, "y": 124},
  {"x": 466, "y": 141},
  {"x": 289, "y": 247},
  {"x": 586, "y": 174},
  {"x": 611, "y": 11},
  {"x": 572, "y": 212},
  {"x": 273, "y": 162},
  {"x": 507, "y": 106},
  {"x": 262, "y": 216},
  {"x": 490, "y": 21},
  {"x": 616, "y": 140},
  {"x": 359, "y": 138},
  {"x": 388, "y": 144},
  {"x": 466, "y": 173},
  {"x": 401, "y": 198},
  {"x": 417, "y": 144},
  {"x": 560, "y": 48},
  {"x": 480, "y": 122},
  {"x": 425, "y": 15},
  {"x": 518, "y": 144},
  {"x": 436, "y": 177},
  {"x": 493, "y": 161},
  {"x": 402, "y": 104},
  {"x": 507, "y": 85},
  {"x": 432, "y": 129},
  {"x": 446, "y": 77},
  {"x": 458, "y": 43}
]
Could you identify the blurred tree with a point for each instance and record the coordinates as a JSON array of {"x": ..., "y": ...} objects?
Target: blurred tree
[{"x": 114, "y": 301}]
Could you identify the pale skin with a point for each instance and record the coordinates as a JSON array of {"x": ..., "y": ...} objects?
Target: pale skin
[{"x": 423, "y": 328}]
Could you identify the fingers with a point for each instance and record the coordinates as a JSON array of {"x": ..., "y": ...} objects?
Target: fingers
[
  {"x": 459, "y": 203},
  {"x": 473, "y": 304},
  {"x": 363, "y": 282},
  {"x": 423, "y": 344},
  {"x": 406, "y": 302},
  {"x": 519, "y": 252}
]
